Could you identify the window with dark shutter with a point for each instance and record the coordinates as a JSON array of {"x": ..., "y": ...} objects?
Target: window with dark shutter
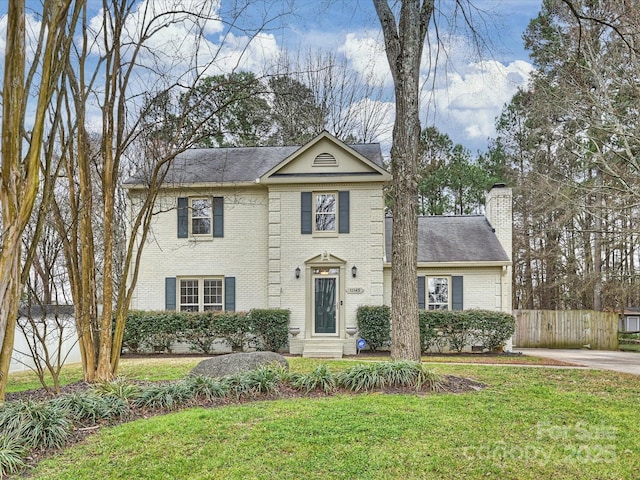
[
  {"x": 306, "y": 213},
  {"x": 421, "y": 293},
  {"x": 230, "y": 294},
  {"x": 343, "y": 212},
  {"x": 170, "y": 293},
  {"x": 456, "y": 293},
  {"x": 218, "y": 216},
  {"x": 183, "y": 217}
]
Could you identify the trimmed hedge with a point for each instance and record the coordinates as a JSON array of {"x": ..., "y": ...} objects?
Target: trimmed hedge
[
  {"x": 265, "y": 329},
  {"x": 270, "y": 328},
  {"x": 460, "y": 328},
  {"x": 440, "y": 328},
  {"x": 374, "y": 325}
]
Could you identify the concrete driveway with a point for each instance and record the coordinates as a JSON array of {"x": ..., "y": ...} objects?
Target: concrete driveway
[{"x": 627, "y": 362}]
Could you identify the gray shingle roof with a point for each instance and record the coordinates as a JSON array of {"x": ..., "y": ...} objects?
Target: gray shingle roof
[
  {"x": 453, "y": 239},
  {"x": 239, "y": 164}
]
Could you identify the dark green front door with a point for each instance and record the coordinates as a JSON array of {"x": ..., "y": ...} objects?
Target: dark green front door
[{"x": 325, "y": 300}]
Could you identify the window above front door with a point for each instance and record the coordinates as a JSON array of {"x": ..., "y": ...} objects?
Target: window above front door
[{"x": 325, "y": 208}]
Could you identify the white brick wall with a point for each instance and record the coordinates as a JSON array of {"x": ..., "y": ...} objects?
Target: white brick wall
[
  {"x": 262, "y": 247},
  {"x": 483, "y": 287},
  {"x": 499, "y": 208},
  {"x": 242, "y": 253},
  {"x": 362, "y": 247}
]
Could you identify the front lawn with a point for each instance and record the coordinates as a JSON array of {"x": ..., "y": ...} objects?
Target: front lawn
[
  {"x": 530, "y": 423},
  {"x": 165, "y": 367}
]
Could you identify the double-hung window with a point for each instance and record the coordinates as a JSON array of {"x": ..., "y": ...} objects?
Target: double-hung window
[
  {"x": 201, "y": 294},
  {"x": 201, "y": 220},
  {"x": 438, "y": 293},
  {"x": 325, "y": 208}
]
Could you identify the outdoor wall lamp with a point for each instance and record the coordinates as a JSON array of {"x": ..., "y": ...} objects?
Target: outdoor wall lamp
[
  {"x": 354, "y": 271},
  {"x": 297, "y": 272}
]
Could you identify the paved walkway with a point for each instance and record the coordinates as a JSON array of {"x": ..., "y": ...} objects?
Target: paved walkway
[{"x": 627, "y": 362}]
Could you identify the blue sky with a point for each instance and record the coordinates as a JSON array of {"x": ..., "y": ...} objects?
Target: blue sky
[{"x": 462, "y": 99}]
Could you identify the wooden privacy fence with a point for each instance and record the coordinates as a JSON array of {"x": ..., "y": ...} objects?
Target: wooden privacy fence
[{"x": 566, "y": 329}]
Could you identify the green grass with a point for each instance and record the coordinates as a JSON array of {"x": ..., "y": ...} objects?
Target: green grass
[
  {"x": 147, "y": 369},
  {"x": 529, "y": 424},
  {"x": 629, "y": 347},
  {"x": 174, "y": 368}
]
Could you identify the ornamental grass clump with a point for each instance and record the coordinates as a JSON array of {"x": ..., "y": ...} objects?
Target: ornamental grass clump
[
  {"x": 119, "y": 388},
  {"x": 12, "y": 454},
  {"x": 379, "y": 375},
  {"x": 167, "y": 396},
  {"x": 206, "y": 388},
  {"x": 89, "y": 408},
  {"x": 322, "y": 378},
  {"x": 264, "y": 379},
  {"x": 36, "y": 424}
]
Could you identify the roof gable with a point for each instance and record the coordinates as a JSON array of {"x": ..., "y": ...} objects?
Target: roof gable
[
  {"x": 444, "y": 239},
  {"x": 326, "y": 158},
  {"x": 250, "y": 165}
]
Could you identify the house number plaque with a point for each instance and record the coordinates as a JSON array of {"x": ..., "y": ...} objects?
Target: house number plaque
[{"x": 355, "y": 290}]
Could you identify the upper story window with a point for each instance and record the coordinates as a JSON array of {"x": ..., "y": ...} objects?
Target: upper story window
[
  {"x": 200, "y": 217},
  {"x": 325, "y": 208},
  {"x": 324, "y": 213},
  {"x": 201, "y": 211},
  {"x": 438, "y": 288}
]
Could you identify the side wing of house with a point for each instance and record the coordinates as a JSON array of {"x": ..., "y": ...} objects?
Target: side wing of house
[{"x": 464, "y": 262}]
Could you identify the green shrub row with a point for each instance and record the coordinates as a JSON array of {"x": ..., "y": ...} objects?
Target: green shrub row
[
  {"x": 440, "y": 328},
  {"x": 263, "y": 329}
]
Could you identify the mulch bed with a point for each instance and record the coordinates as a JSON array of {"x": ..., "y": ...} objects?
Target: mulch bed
[{"x": 448, "y": 384}]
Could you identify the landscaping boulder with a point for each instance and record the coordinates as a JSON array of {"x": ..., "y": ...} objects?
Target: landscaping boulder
[{"x": 233, "y": 363}]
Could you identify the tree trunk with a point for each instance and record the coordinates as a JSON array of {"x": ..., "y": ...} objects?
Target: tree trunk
[
  {"x": 404, "y": 40},
  {"x": 21, "y": 176}
]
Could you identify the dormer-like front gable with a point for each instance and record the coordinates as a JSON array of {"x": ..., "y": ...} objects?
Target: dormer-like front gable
[{"x": 327, "y": 159}]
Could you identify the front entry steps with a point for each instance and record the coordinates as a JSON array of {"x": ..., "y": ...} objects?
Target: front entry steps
[{"x": 323, "y": 348}]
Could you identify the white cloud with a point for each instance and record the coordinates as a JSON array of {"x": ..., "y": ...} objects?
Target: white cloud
[
  {"x": 244, "y": 53},
  {"x": 32, "y": 31},
  {"x": 365, "y": 52},
  {"x": 464, "y": 97},
  {"x": 470, "y": 100}
]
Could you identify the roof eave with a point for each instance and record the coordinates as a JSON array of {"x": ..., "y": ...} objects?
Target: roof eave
[
  {"x": 279, "y": 180},
  {"x": 461, "y": 264},
  {"x": 178, "y": 186}
]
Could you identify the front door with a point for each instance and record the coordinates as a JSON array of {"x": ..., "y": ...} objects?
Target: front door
[{"x": 325, "y": 302}]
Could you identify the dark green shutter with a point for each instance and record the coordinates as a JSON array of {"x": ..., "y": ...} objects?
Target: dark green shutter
[
  {"x": 343, "y": 212},
  {"x": 170, "y": 293},
  {"x": 218, "y": 216},
  {"x": 421, "y": 293},
  {"x": 306, "y": 213},
  {"x": 183, "y": 217},
  {"x": 456, "y": 293},
  {"x": 230, "y": 294}
]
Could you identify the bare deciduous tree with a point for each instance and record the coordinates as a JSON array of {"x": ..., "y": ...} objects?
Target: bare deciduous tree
[
  {"x": 21, "y": 171},
  {"x": 404, "y": 39}
]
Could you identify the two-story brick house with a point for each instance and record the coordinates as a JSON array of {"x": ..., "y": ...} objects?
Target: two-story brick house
[{"x": 304, "y": 228}]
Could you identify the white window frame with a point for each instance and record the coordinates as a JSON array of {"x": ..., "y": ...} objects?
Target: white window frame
[
  {"x": 635, "y": 319},
  {"x": 192, "y": 216},
  {"x": 437, "y": 304},
  {"x": 316, "y": 230},
  {"x": 201, "y": 286}
]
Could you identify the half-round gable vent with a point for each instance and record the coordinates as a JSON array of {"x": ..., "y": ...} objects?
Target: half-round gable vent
[{"x": 325, "y": 160}]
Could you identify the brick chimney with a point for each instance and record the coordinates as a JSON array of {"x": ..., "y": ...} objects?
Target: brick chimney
[{"x": 499, "y": 212}]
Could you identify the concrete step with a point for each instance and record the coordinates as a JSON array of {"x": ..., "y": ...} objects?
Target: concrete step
[{"x": 322, "y": 348}]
